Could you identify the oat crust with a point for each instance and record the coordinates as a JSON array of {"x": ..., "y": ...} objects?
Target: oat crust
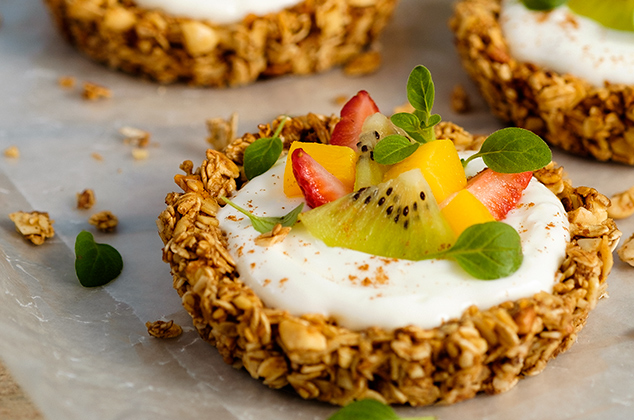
[
  {"x": 482, "y": 351},
  {"x": 565, "y": 110},
  {"x": 312, "y": 36}
]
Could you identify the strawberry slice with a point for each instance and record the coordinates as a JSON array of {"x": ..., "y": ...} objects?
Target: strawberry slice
[
  {"x": 499, "y": 192},
  {"x": 318, "y": 185},
  {"x": 353, "y": 114}
]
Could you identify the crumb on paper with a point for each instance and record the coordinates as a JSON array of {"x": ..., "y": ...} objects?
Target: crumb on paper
[
  {"x": 67, "y": 82},
  {"x": 276, "y": 235},
  {"x": 622, "y": 204},
  {"x": 139, "y": 153},
  {"x": 626, "y": 251},
  {"x": 363, "y": 64},
  {"x": 135, "y": 136},
  {"x": 340, "y": 100},
  {"x": 12, "y": 152},
  {"x": 163, "y": 329},
  {"x": 406, "y": 107},
  {"x": 96, "y": 156},
  {"x": 222, "y": 131},
  {"x": 35, "y": 226},
  {"x": 105, "y": 221},
  {"x": 93, "y": 91},
  {"x": 460, "y": 102},
  {"x": 86, "y": 199}
]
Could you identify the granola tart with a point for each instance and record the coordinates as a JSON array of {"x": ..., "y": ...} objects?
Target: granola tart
[
  {"x": 484, "y": 350},
  {"x": 567, "y": 111},
  {"x": 312, "y": 36}
]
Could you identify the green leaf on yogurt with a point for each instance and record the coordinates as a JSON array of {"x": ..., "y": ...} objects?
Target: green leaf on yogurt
[
  {"x": 370, "y": 410},
  {"x": 95, "y": 264},
  {"x": 264, "y": 224},
  {"x": 513, "y": 150},
  {"x": 261, "y": 155}
]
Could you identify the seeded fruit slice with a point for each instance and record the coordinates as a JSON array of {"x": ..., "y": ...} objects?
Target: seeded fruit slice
[
  {"x": 612, "y": 14},
  {"x": 317, "y": 184},
  {"x": 353, "y": 115},
  {"x": 398, "y": 219},
  {"x": 499, "y": 192},
  {"x": 368, "y": 171}
]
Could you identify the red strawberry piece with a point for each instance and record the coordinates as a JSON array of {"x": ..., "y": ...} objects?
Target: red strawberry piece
[
  {"x": 353, "y": 114},
  {"x": 499, "y": 192},
  {"x": 318, "y": 185}
]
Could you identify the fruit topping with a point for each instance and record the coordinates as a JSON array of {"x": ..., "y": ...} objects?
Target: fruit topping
[
  {"x": 340, "y": 161},
  {"x": 499, "y": 192},
  {"x": 398, "y": 218},
  {"x": 463, "y": 209},
  {"x": 611, "y": 14},
  {"x": 368, "y": 171},
  {"x": 440, "y": 164},
  {"x": 353, "y": 115},
  {"x": 318, "y": 185}
]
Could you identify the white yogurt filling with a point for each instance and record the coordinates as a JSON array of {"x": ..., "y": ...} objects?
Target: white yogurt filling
[
  {"x": 218, "y": 11},
  {"x": 303, "y": 275},
  {"x": 564, "y": 42}
]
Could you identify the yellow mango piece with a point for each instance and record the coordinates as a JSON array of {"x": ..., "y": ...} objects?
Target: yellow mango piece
[
  {"x": 338, "y": 160},
  {"x": 463, "y": 210},
  {"x": 440, "y": 164}
]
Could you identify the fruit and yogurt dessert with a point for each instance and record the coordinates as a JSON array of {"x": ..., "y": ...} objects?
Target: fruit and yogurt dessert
[
  {"x": 562, "y": 69},
  {"x": 220, "y": 42},
  {"x": 400, "y": 259}
]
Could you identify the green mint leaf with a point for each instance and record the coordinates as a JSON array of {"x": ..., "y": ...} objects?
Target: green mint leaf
[
  {"x": 433, "y": 120},
  {"x": 370, "y": 410},
  {"x": 393, "y": 149},
  {"x": 543, "y": 4},
  {"x": 514, "y": 150},
  {"x": 95, "y": 264},
  {"x": 261, "y": 155},
  {"x": 265, "y": 224},
  {"x": 488, "y": 251},
  {"x": 420, "y": 92},
  {"x": 410, "y": 123}
]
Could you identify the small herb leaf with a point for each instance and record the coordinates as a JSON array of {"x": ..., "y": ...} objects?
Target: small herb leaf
[
  {"x": 261, "y": 155},
  {"x": 410, "y": 123},
  {"x": 433, "y": 120},
  {"x": 265, "y": 224},
  {"x": 370, "y": 410},
  {"x": 393, "y": 148},
  {"x": 420, "y": 90},
  {"x": 543, "y": 4},
  {"x": 95, "y": 264},
  {"x": 488, "y": 251},
  {"x": 514, "y": 150}
]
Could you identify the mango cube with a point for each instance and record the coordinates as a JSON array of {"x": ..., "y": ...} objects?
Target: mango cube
[{"x": 463, "y": 209}]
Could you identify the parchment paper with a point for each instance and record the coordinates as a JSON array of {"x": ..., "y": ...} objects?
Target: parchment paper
[{"x": 85, "y": 353}]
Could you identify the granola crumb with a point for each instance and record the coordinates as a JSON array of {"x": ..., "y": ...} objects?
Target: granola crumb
[
  {"x": 460, "y": 102},
  {"x": 363, "y": 64},
  {"x": 276, "y": 235},
  {"x": 139, "y": 153},
  {"x": 622, "y": 204},
  {"x": 93, "y": 91},
  {"x": 135, "y": 136},
  {"x": 35, "y": 226},
  {"x": 626, "y": 251},
  {"x": 105, "y": 221},
  {"x": 12, "y": 152},
  {"x": 340, "y": 100},
  {"x": 86, "y": 199},
  {"x": 67, "y": 82},
  {"x": 163, "y": 329},
  {"x": 97, "y": 156},
  {"x": 222, "y": 131}
]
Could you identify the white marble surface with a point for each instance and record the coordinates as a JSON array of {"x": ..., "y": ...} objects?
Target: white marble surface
[{"x": 85, "y": 353}]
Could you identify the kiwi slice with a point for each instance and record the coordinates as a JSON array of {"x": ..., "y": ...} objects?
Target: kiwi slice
[
  {"x": 368, "y": 171},
  {"x": 614, "y": 14},
  {"x": 398, "y": 218}
]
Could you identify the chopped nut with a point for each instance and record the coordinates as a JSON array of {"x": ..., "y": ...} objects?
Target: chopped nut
[
  {"x": 363, "y": 64},
  {"x": 105, "y": 221},
  {"x": 12, "y": 152},
  {"x": 276, "y": 235},
  {"x": 97, "y": 156},
  {"x": 460, "y": 100},
  {"x": 222, "y": 131},
  {"x": 93, "y": 91},
  {"x": 340, "y": 100},
  {"x": 66, "y": 82},
  {"x": 163, "y": 329},
  {"x": 134, "y": 136},
  {"x": 35, "y": 226},
  {"x": 622, "y": 204},
  {"x": 140, "y": 154},
  {"x": 86, "y": 199},
  {"x": 626, "y": 251}
]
